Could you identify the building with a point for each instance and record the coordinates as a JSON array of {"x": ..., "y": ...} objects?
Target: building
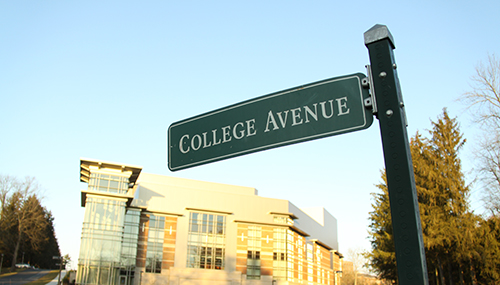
[{"x": 142, "y": 228}]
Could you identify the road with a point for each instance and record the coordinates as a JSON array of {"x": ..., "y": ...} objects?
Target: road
[{"x": 23, "y": 277}]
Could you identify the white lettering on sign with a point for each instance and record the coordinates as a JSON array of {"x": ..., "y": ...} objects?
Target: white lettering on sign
[
  {"x": 237, "y": 131},
  {"x": 274, "y": 121},
  {"x": 342, "y": 106},
  {"x": 306, "y": 114}
]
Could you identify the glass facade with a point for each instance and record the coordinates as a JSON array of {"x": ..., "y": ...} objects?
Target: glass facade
[
  {"x": 110, "y": 233},
  {"x": 154, "y": 255},
  {"x": 206, "y": 241},
  {"x": 108, "y": 183},
  {"x": 129, "y": 246},
  {"x": 101, "y": 242}
]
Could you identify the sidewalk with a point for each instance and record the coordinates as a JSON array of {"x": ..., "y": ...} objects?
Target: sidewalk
[{"x": 54, "y": 282}]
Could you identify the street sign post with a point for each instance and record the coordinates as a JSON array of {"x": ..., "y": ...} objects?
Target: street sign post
[
  {"x": 405, "y": 214},
  {"x": 320, "y": 109},
  {"x": 325, "y": 108}
]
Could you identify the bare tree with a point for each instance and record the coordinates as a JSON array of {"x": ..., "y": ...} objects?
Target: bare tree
[
  {"x": 488, "y": 157},
  {"x": 483, "y": 101},
  {"x": 22, "y": 213},
  {"x": 7, "y": 185},
  {"x": 359, "y": 263},
  {"x": 484, "y": 98}
]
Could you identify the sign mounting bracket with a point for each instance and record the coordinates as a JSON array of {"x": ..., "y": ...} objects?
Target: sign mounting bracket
[{"x": 369, "y": 84}]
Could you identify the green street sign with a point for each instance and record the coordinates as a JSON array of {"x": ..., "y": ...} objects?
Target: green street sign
[{"x": 316, "y": 110}]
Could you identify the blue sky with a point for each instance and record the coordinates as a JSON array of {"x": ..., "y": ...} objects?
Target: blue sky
[{"x": 104, "y": 80}]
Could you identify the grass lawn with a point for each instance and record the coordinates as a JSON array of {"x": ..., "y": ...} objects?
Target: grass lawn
[{"x": 46, "y": 278}]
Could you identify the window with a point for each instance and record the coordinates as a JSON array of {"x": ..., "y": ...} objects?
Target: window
[
  {"x": 108, "y": 183},
  {"x": 279, "y": 254},
  {"x": 129, "y": 246},
  {"x": 253, "y": 265},
  {"x": 310, "y": 255},
  {"x": 253, "y": 255},
  {"x": 102, "y": 230},
  {"x": 283, "y": 220},
  {"x": 130, "y": 237},
  {"x": 300, "y": 257},
  {"x": 154, "y": 254},
  {"x": 101, "y": 243},
  {"x": 310, "y": 260},
  {"x": 290, "y": 240},
  {"x": 206, "y": 241}
]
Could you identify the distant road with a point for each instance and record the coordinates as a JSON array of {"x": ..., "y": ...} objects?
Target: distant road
[{"x": 23, "y": 277}]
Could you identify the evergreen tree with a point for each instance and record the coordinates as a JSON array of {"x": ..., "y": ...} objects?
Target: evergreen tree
[
  {"x": 49, "y": 248},
  {"x": 448, "y": 208},
  {"x": 447, "y": 225},
  {"x": 26, "y": 227},
  {"x": 30, "y": 221},
  {"x": 39, "y": 248},
  {"x": 8, "y": 226},
  {"x": 382, "y": 258},
  {"x": 486, "y": 263}
]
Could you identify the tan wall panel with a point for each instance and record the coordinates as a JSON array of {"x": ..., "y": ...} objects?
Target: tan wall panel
[
  {"x": 169, "y": 242},
  {"x": 266, "y": 263},
  {"x": 266, "y": 271},
  {"x": 170, "y": 256},
  {"x": 142, "y": 241}
]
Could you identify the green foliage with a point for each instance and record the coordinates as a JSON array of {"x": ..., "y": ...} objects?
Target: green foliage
[
  {"x": 487, "y": 249},
  {"x": 26, "y": 227},
  {"x": 459, "y": 246},
  {"x": 382, "y": 257},
  {"x": 41, "y": 256}
]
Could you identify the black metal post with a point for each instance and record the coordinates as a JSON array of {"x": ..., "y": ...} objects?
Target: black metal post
[
  {"x": 61, "y": 258},
  {"x": 405, "y": 214}
]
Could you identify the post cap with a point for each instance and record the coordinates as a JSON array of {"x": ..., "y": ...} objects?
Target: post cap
[{"x": 377, "y": 33}]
